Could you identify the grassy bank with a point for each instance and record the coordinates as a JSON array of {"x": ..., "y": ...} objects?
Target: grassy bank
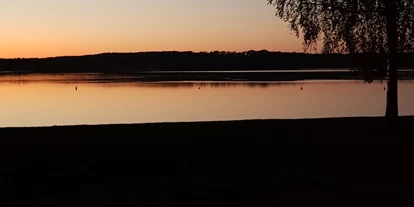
[{"x": 321, "y": 162}]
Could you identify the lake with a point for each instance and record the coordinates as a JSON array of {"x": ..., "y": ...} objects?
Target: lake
[{"x": 47, "y": 100}]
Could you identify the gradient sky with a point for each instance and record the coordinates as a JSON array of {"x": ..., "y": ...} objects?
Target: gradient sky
[{"x": 41, "y": 28}]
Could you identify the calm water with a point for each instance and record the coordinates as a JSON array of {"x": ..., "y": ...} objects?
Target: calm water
[
  {"x": 269, "y": 71},
  {"x": 45, "y": 100}
]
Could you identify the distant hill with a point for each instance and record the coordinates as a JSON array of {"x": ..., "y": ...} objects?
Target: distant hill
[{"x": 192, "y": 61}]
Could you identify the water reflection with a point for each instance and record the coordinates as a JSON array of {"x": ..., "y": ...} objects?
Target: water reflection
[
  {"x": 212, "y": 84},
  {"x": 65, "y": 78},
  {"x": 32, "y": 101},
  {"x": 105, "y": 80},
  {"x": 202, "y": 84}
]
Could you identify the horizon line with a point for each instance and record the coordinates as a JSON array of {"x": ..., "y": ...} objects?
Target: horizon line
[
  {"x": 177, "y": 51},
  {"x": 155, "y": 51}
]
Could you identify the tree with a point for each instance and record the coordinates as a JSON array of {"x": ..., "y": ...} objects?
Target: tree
[{"x": 381, "y": 27}]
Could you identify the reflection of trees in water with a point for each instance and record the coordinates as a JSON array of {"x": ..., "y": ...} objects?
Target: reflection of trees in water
[
  {"x": 111, "y": 80},
  {"x": 66, "y": 78},
  {"x": 122, "y": 83},
  {"x": 200, "y": 85},
  {"x": 132, "y": 83},
  {"x": 208, "y": 84},
  {"x": 237, "y": 84},
  {"x": 204, "y": 85}
]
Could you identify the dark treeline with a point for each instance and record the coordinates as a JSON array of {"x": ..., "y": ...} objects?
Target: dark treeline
[{"x": 153, "y": 61}]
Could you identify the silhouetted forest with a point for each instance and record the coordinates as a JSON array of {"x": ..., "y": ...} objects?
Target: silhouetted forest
[{"x": 193, "y": 61}]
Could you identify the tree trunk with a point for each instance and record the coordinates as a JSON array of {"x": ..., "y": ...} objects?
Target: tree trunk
[{"x": 391, "y": 113}]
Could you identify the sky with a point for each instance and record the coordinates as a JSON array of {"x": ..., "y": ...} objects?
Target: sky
[{"x": 46, "y": 28}]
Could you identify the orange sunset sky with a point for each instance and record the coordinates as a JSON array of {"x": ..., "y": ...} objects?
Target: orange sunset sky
[{"x": 45, "y": 28}]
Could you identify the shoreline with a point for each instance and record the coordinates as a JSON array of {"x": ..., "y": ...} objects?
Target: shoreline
[
  {"x": 317, "y": 162},
  {"x": 317, "y": 123},
  {"x": 356, "y": 118},
  {"x": 366, "y": 119},
  {"x": 227, "y": 76}
]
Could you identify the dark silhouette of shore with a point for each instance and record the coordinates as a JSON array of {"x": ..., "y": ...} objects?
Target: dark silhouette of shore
[
  {"x": 194, "y": 61},
  {"x": 321, "y": 162}
]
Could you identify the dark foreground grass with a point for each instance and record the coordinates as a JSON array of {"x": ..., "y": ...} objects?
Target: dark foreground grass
[{"x": 324, "y": 162}]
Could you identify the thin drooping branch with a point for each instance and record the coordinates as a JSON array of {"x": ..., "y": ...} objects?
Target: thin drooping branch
[
  {"x": 347, "y": 26},
  {"x": 327, "y": 5}
]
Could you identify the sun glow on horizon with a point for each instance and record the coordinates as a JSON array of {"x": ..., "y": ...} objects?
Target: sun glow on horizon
[{"x": 79, "y": 27}]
